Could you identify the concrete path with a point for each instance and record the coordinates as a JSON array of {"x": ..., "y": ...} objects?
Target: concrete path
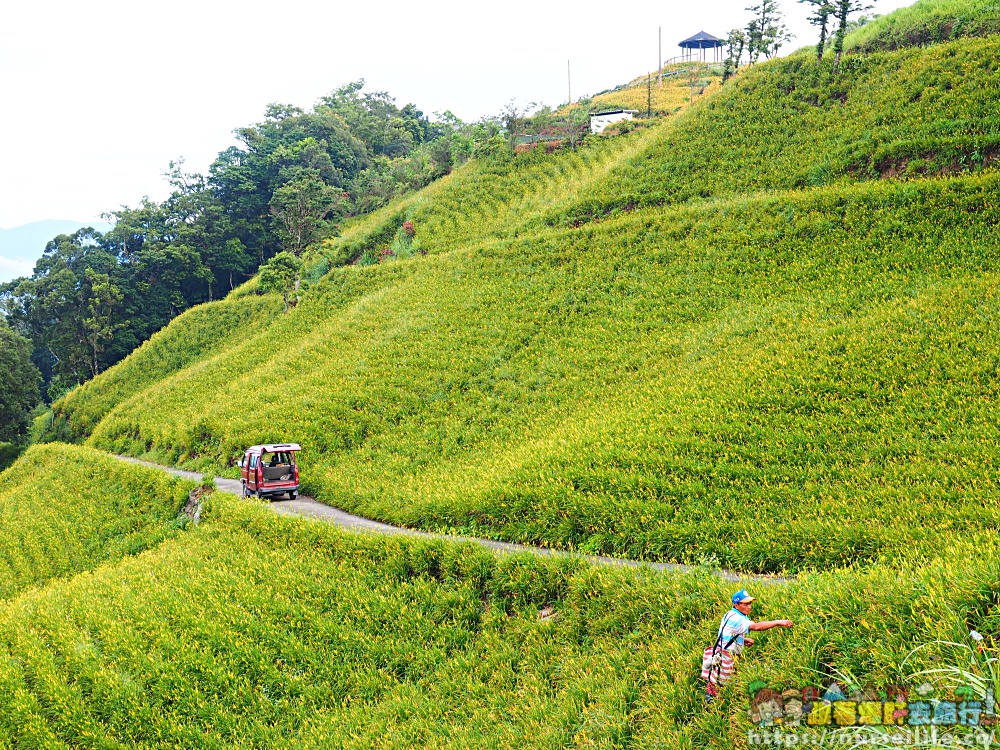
[{"x": 306, "y": 507}]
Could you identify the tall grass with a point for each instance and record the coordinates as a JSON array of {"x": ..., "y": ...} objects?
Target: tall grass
[
  {"x": 790, "y": 123},
  {"x": 637, "y": 386},
  {"x": 253, "y": 630},
  {"x": 66, "y": 509},
  {"x": 927, "y": 22}
]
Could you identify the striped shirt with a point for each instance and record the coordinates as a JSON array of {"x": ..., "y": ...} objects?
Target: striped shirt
[{"x": 734, "y": 623}]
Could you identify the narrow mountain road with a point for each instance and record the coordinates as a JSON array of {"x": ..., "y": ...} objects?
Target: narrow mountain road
[{"x": 306, "y": 507}]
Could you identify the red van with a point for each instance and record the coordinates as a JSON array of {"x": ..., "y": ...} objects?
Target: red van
[{"x": 270, "y": 470}]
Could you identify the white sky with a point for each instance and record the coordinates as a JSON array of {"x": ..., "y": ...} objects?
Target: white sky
[{"x": 99, "y": 95}]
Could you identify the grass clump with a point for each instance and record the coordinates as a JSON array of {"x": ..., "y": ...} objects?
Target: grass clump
[
  {"x": 66, "y": 509},
  {"x": 926, "y": 22}
]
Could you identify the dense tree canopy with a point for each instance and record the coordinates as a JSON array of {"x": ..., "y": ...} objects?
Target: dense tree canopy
[
  {"x": 18, "y": 386},
  {"x": 291, "y": 178}
]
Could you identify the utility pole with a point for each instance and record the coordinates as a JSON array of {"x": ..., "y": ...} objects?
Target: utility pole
[
  {"x": 659, "y": 67},
  {"x": 569, "y": 84}
]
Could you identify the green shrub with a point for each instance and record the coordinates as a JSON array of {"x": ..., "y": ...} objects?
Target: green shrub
[{"x": 8, "y": 454}]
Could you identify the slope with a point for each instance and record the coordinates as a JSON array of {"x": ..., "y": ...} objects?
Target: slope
[
  {"x": 254, "y": 631},
  {"x": 792, "y": 124},
  {"x": 815, "y": 364},
  {"x": 257, "y": 631},
  {"x": 67, "y": 509},
  {"x": 777, "y": 377}
]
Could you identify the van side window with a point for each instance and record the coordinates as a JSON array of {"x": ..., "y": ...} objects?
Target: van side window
[{"x": 253, "y": 461}]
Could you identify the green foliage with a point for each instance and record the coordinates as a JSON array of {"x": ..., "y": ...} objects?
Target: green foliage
[
  {"x": 303, "y": 208},
  {"x": 255, "y": 631},
  {"x": 67, "y": 509},
  {"x": 8, "y": 454},
  {"x": 766, "y": 32},
  {"x": 40, "y": 422},
  {"x": 939, "y": 105},
  {"x": 95, "y": 297},
  {"x": 19, "y": 385},
  {"x": 252, "y": 630},
  {"x": 822, "y": 16},
  {"x": 706, "y": 364},
  {"x": 761, "y": 334},
  {"x": 281, "y": 274},
  {"x": 927, "y": 22},
  {"x": 842, "y": 10},
  {"x": 632, "y": 385},
  {"x": 192, "y": 338}
]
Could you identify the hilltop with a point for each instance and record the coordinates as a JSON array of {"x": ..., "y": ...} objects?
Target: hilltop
[{"x": 758, "y": 333}]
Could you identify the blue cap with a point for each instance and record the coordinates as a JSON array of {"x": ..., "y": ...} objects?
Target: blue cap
[{"x": 742, "y": 596}]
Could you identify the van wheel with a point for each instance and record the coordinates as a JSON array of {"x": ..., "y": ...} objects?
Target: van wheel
[
  {"x": 292, "y": 495},
  {"x": 243, "y": 489},
  {"x": 258, "y": 495}
]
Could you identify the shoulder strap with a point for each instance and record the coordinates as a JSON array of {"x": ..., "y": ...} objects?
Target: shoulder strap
[{"x": 722, "y": 628}]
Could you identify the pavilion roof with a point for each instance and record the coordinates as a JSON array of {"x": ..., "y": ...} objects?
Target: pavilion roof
[{"x": 701, "y": 40}]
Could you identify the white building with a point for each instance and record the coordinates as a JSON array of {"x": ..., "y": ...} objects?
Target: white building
[{"x": 600, "y": 120}]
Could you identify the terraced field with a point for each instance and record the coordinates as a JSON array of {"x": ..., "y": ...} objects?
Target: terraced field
[
  {"x": 632, "y": 385},
  {"x": 760, "y": 334},
  {"x": 65, "y": 509},
  {"x": 669, "y": 96},
  {"x": 255, "y": 631}
]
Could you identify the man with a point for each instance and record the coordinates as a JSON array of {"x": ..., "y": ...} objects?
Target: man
[{"x": 733, "y": 630}]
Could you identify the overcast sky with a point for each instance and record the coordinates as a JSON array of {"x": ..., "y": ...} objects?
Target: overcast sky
[{"x": 99, "y": 95}]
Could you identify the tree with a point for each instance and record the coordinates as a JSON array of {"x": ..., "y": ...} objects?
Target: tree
[
  {"x": 94, "y": 297},
  {"x": 18, "y": 386},
  {"x": 281, "y": 275},
  {"x": 302, "y": 209},
  {"x": 736, "y": 42},
  {"x": 102, "y": 300},
  {"x": 766, "y": 32},
  {"x": 843, "y": 10},
  {"x": 822, "y": 13},
  {"x": 513, "y": 118}
]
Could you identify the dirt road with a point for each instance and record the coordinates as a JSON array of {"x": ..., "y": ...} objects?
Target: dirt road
[{"x": 306, "y": 507}]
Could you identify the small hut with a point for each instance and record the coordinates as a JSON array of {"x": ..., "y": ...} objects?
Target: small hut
[{"x": 694, "y": 47}]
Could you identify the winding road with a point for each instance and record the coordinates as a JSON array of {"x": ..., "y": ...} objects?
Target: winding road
[{"x": 306, "y": 507}]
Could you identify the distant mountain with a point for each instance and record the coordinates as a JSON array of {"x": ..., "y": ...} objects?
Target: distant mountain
[{"x": 21, "y": 246}]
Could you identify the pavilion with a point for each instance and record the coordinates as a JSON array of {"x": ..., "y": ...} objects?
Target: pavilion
[{"x": 702, "y": 41}]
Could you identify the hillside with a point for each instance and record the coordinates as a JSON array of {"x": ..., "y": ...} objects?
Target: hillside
[
  {"x": 251, "y": 630},
  {"x": 758, "y": 334},
  {"x": 65, "y": 509},
  {"x": 665, "y": 96},
  {"x": 628, "y": 385},
  {"x": 926, "y": 22}
]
